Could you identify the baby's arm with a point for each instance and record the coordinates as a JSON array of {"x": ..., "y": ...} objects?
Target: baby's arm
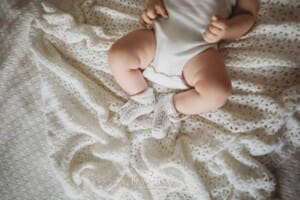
[
  {"x": 244, "y": 17},
  {"x": 242, "y": 20},
  {"x": 154, "y": 9}
]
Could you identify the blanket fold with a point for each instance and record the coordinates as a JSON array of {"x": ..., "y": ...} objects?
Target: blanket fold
[{"x": 219, "y": 155}]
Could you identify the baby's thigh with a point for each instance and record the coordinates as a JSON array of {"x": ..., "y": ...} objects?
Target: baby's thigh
[
  {"x": 138, "y": 45},
  {"x": 209, "y": 66}
]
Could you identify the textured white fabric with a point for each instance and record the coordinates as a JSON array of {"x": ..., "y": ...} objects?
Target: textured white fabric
[
  {"x": 26, "y": 172},
  {"x": 179, "y": 38},
  {"x": 222, "y": 155}
]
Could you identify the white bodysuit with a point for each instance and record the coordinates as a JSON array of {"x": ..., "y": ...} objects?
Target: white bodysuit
[{"x": 179, "y": 38}]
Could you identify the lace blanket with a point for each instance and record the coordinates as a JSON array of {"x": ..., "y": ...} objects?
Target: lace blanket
[{"x": 225, "y": 154}]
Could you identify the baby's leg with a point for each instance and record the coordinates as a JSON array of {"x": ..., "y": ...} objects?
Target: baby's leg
[
  {"x": 211, "y": 85},
  {"x": 128, "y": 56}
]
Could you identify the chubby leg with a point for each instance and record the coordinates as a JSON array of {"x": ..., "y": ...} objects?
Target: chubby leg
[
  {"x": 206, "y": 74},
  {"x": 210, "y": 86},
  {"x": 128, "y": 56}
]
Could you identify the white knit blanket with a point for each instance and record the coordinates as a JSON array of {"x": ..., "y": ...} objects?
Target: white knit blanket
[{"x": 221, "y": 155}]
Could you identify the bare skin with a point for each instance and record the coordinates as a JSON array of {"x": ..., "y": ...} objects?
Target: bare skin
[{"x": 205, "y": 73}]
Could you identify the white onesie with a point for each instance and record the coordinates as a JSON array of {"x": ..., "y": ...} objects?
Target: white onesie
[{"x": 179, "y": 38}]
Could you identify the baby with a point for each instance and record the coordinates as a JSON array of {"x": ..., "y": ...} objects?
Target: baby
[{"x": 178, "y": 49}]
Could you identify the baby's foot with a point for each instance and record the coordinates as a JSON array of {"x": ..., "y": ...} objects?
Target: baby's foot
[
  {"x": 166, "y": 118},
  {"x": 138, "y": 105}
]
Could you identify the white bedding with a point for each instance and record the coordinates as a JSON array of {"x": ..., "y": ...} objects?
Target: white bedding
[{"x": 56, "y": 86}]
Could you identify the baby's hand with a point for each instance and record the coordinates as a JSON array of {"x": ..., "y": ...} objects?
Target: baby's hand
[
  {"x": 216, "y": 30},
  {"x": 155, "y": 9}
]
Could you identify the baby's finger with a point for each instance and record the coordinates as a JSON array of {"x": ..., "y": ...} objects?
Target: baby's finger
[
  {"x": 206, "y": 38},
  {"x": 219, "y": 24},
  {"x": 209, "y": 33},
  {"x": 214, "y": 18},
  {"x": 215, "y": 30},
  {"x": 146, "y": 18},
  {"x": 211, "y": 37},
  {"x": 162, "y": 11},
  {"x": 142, "y": 22},
  {"x": 151, "y": 14}
]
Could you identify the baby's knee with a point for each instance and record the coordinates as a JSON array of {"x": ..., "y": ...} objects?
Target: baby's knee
[
  {"x": 116, "y": 53},
  {"x": 215, "y": 93},
  {"x": 120, "y": 55}
]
